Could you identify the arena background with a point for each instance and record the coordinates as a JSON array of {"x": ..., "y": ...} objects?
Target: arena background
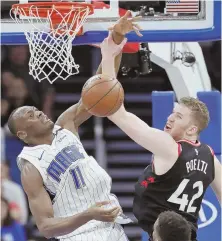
[{"x": 123, "y": 159}]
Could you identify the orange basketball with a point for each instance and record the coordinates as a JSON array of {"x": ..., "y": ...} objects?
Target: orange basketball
[{"x": 102, "y": 96}]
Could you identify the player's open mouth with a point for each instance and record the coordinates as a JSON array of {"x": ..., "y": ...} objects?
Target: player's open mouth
[{"x": 167, "y": 127}]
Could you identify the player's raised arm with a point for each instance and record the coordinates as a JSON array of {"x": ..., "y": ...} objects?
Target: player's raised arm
[
  {"x": 216, "y": 184},
  {"x": 158, "y": 142},
  {"x": 73, "y": 117},
  {"x": 123, "y": 26},
  {"x": 154, "y": 140},
  {"x": 115, "y": 42},
  {"x": 42, "y": 210}
]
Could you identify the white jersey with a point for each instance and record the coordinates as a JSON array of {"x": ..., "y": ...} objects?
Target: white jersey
[{"x": 73, "y": 179}]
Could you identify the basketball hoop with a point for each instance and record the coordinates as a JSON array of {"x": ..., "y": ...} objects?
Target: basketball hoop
[{"x": 54, "y": 26}]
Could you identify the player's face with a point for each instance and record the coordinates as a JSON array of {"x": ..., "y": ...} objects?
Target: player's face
[
  {"x": 33, "y": 123},
  {"x": 179, "y": 123}
]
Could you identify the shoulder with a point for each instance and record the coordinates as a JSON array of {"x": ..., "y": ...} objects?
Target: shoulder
[
  {"x": 33, "y": 151},
  {"x": 28, "y": 170},
  {"x": 185, "y": 145},
  {"x": 211, "y": 150},
  {"x": 32, "y": 155},
  {"x": 189, "y": 143},
  {"x": 31, "y": 178}
]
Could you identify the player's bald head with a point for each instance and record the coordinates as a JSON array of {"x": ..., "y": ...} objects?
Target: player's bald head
[
  {"x": 16, "y": 115},
  {"x": 30, "y": 124}
]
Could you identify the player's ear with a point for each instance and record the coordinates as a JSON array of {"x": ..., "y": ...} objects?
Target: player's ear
[
  {"x": 192, "y": 130},
  {"x": 21, "y": 135}
]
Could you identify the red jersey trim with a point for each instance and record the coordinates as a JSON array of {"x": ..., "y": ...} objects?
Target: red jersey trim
[
  {"x": 190, "y": 142},
  {"x": 179, "y": 149}
]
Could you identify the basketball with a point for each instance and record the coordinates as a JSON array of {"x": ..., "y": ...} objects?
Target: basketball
[{"x": 102, "y": 96}]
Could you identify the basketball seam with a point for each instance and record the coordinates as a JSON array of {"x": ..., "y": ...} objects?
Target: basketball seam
[
  {"x": 115, "y": 103},
  {"x": 95, "y": 85},
  {"x": 103, "y": 96}
]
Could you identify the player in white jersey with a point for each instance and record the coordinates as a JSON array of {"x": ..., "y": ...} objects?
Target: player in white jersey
[{"x": 66, "y": 188}]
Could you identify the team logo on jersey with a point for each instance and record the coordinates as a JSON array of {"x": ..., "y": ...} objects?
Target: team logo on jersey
[
  {"x": 61, "y": 138},
  {"x": 196, "y": 151},
  {"x": 207, "y": 214},
  {"x": 146, "y": 182}
]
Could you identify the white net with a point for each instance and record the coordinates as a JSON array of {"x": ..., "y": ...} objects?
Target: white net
[{"x": 51, "y": 46}]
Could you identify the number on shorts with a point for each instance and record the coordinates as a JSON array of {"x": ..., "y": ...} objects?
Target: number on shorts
[
  {"x": 183, "y": 201},
  {"x": 77, "y": 177}
]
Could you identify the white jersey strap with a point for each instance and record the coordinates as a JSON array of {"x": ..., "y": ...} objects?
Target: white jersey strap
[
  {"x": 33, "y": 160},
  {"x": 56, "y": 128}
]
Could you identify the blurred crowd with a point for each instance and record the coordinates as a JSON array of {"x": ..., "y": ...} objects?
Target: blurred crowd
[
  {"x": 19, "y": 88},
  {"x": 14, "y": 209}
]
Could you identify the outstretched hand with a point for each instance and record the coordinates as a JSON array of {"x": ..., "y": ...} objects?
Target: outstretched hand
[{"x": 127, "y": 24}]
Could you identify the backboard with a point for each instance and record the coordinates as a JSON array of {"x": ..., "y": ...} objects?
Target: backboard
[{"x": 162, "y": 21}]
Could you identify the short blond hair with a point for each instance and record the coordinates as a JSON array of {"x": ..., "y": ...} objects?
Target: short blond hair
[{"x": 199, "y": 111}]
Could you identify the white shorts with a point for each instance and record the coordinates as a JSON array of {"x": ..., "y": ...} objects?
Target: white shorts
[{"x": 114, "y": 232}]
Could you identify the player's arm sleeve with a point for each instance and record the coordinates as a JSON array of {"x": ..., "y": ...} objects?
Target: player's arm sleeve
[
  {"x": 216, "y": 184},
  {"x": 41, "y": 206},
  {"x": 158, "y": 142}
]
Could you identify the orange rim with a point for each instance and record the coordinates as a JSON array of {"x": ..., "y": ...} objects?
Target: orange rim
[{"x": 43, "y": 7}]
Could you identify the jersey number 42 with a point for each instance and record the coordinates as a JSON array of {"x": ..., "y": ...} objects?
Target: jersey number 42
[{"x": 185, "y": 204}]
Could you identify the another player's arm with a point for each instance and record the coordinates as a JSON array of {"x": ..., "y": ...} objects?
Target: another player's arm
[
  {"x": 123, "y": 26},
  {"x": 118, "y": 59},
  {"x": 158, "y": 142},
  {"x": 117, "y": 38},
  {"x": 109, "y": 64},
  {"x": 75, "y": 115},
  {"x": 42, "y": 210},
  {"x": 216, "y": 184},
  {"x": 72, "y": 118}
]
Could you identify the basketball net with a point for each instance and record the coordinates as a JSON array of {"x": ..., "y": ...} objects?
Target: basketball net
[{"x": 53, "y": 29}]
